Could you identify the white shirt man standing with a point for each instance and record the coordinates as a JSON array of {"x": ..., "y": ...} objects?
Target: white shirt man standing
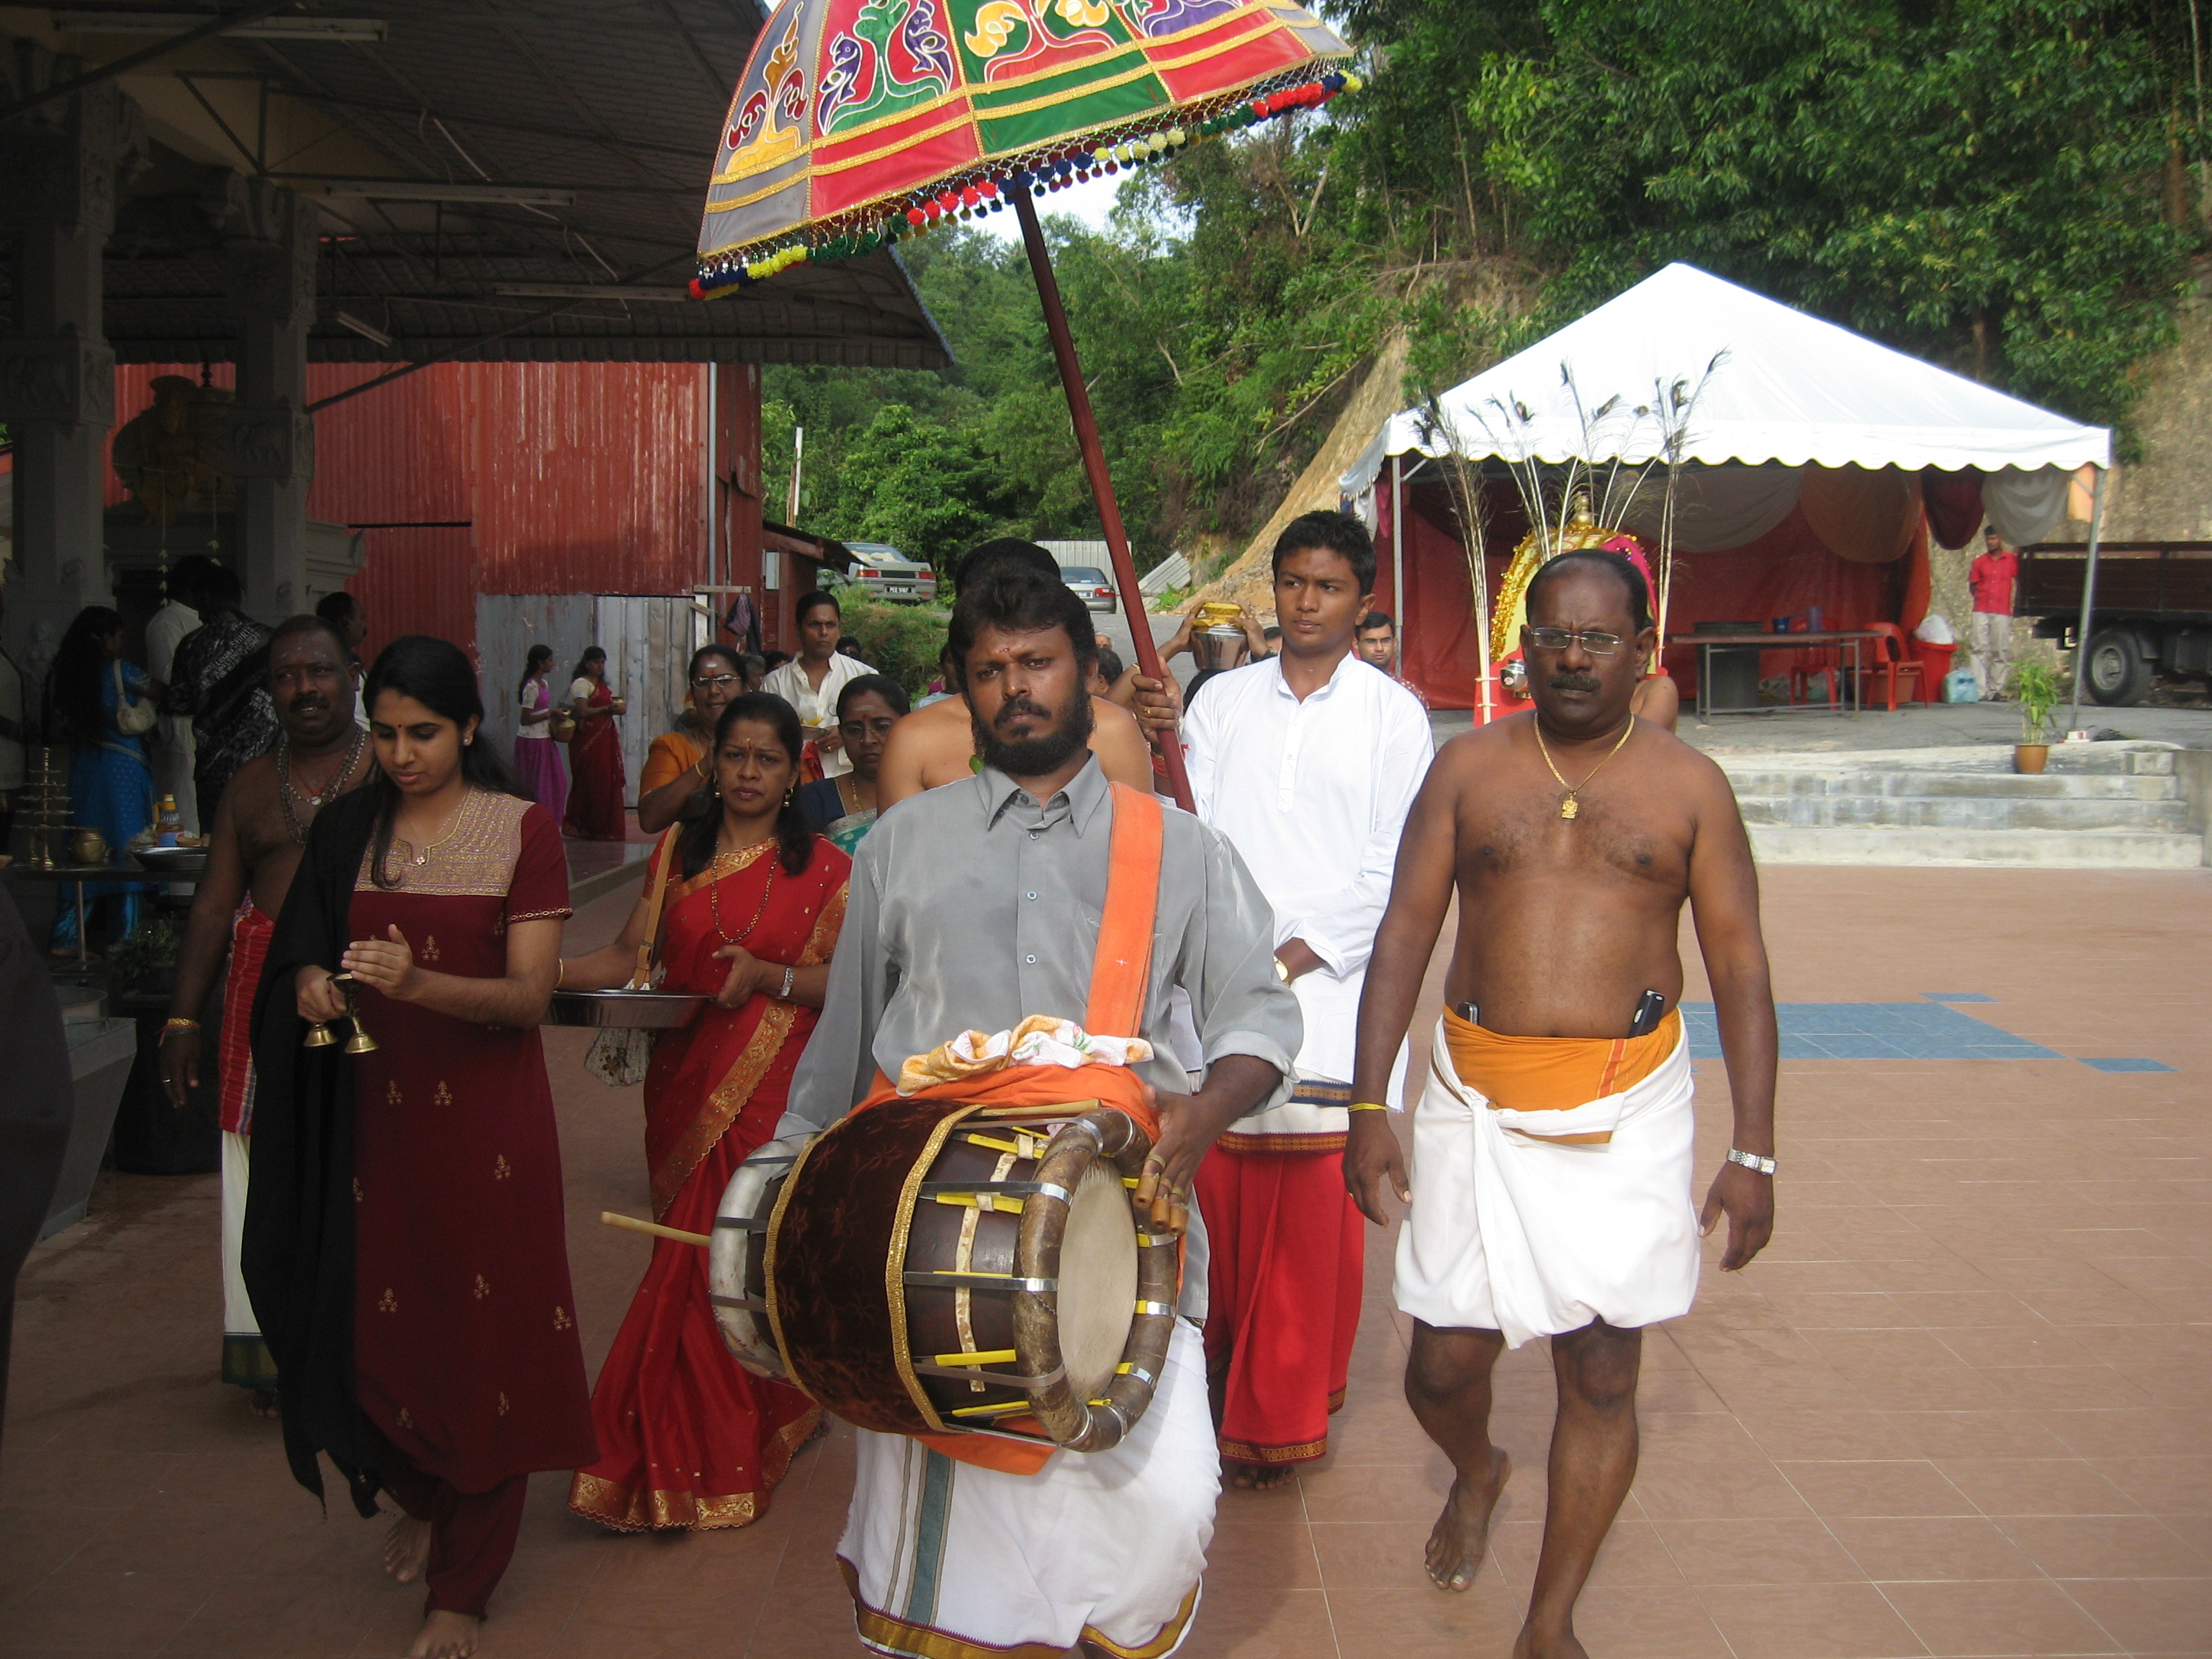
[
  {"x": 811, "y": 681},
  {"x": 171, "y": 750},
  {"x": 1308, "y": 762}
]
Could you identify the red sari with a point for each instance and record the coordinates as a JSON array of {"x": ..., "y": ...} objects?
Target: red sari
[
  {"x": 596, "y": 780},
  {"x": 690, "y": 1438}
]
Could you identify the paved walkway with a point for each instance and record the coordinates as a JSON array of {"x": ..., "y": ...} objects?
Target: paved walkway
[{"x": 1958, "y": 1408}]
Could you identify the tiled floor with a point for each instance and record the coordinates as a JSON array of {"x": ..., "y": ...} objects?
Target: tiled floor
[{"x": 1958, "y": 1407}]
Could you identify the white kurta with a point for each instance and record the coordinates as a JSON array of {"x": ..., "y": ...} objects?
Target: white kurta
[
  {"x": 817, "y": 709},
  {"x": 958, "y": 1561},
  {"x": 1313, "y": 794},
  {"x": 1533, "y": 1237},
  {"x": 171, "y": 750}
]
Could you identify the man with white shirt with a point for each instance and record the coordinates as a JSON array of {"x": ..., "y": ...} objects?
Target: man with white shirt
[
  {"x": 811, "y": 681},
  {"x": 171, "y": 751},
  {"x": 1308, "y": 762}
]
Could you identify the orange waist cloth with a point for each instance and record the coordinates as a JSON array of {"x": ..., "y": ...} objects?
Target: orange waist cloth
[{"x": 1554, "y": 1074}]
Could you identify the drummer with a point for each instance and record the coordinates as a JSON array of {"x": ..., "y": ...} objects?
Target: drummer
[{"x": 973, "y": 906}]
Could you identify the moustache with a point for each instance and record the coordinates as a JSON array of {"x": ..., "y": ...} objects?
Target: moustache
[
  {"x": 1567, "y": 682},
  {"x": 1020, "y": 706},
  {"x": 307, "y": 702}
]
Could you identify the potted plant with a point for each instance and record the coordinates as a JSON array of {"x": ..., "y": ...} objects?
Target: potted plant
[{"x": 2036, "y": 687}]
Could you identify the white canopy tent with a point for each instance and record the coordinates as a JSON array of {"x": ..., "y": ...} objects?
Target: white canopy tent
[{"x": 1745, "y": 392}]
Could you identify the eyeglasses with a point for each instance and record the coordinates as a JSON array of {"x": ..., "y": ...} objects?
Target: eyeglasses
[
  {"x": 714, "y": 681},
  {"x": 1597, "y": 643}
]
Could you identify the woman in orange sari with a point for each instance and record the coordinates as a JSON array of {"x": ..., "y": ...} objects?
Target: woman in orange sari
[{"x": 687, "y": 1438}]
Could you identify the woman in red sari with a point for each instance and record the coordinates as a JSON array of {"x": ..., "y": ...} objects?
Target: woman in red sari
[
  {"x": 595, "y": 780},
  {"x": 688, "y": 1438}
]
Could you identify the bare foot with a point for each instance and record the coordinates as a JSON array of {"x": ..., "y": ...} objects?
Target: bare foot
[
  {"x": 1566, "y": 1645},
  {"x": 407, "y": 1551},
  {"x": 1463, "y": 1531},
  {"x": 445, "y": 1635},
  {"x": 262, "y": 1402},
  {"x": 1257, "y": 1477}
]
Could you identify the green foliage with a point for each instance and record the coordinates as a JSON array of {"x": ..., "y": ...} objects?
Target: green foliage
[
  {"x": 2011, "y": 188},
  {"x": 902, "y": 640},
  {"x": 2035, "y": 688},
  {"x": 145, "y": 950}
]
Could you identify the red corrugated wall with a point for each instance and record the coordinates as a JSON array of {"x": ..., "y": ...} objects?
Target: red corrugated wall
[{"x": 507, "y": 478}]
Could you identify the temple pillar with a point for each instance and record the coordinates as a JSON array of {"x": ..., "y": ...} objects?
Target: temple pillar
[
  {"x": 270, "y": 247},
  {"x": 57, "y": 373}
]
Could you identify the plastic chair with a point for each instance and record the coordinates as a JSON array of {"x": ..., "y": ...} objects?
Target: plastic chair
[
  {"x": 1894, "y": 660},
  {"x": 1810, "y": 666}
]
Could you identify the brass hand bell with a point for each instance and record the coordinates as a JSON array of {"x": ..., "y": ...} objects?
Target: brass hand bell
[{"x": 321, "y": 1036}]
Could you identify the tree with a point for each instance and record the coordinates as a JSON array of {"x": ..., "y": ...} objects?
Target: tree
[{"x": 926, "y": 488}]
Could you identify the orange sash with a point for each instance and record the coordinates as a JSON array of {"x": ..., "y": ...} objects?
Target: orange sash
[
  {"x": 1555, "y": 1074},
  {"x": 1119, "y": 974}
]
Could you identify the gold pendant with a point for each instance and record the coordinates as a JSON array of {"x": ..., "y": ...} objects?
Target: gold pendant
[{"x": 1570, "y": 808}]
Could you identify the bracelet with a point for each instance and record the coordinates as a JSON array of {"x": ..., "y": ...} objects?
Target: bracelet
[
  {"x": 790, "y": 978},
  {"x": 561, "y": 972},
  {"x": 1366, "y": 1106},
  {"x": 1752, "y": 1161},
  {"x": 175, "y": 1023}
]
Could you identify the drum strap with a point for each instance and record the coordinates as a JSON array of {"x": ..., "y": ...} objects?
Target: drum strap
[{"x": 1123, "y": 966}]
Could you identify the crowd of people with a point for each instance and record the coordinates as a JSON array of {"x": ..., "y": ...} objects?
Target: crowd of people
[{"x": 855, "y": 880}]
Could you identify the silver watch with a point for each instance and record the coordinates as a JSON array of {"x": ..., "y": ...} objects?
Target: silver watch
[
  {"x": 791, "y": 978},
  {"x": 1752, "y": 1161}
]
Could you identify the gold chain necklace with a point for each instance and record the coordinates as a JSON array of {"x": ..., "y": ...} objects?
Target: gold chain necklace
[
  {"x": 419, "y": 856},
  {"x": 1571, "y": 807},
  {"x": 714, "y": 895}
]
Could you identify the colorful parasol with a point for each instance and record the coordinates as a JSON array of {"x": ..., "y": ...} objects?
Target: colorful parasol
[{"x": 859, "y": 122}]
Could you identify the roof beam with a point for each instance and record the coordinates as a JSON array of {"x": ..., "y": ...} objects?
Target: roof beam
[{"x": 144, "y": 55}]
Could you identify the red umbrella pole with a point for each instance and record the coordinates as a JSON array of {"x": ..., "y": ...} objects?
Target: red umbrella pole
[{"x": 1102, "y": 486}]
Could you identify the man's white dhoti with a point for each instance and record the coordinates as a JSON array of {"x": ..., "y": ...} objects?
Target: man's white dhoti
[
  {"x": 950, "y": 1561},
  {"x": 238, "y": 1320},
  {"x": 1512, "y": 1232}
]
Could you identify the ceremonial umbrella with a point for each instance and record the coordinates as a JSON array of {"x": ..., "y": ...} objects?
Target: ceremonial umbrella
[{"x": 859, "y": 122}]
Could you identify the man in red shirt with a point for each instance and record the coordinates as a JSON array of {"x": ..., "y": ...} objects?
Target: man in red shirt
[{"x": 1990, "y": 576}]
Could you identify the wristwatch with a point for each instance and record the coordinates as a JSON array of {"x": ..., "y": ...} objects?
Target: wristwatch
[{"x": 1752, "y": 1161}]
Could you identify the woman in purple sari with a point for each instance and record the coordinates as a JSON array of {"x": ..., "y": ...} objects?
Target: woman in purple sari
[{"x": 538, "y": 759}]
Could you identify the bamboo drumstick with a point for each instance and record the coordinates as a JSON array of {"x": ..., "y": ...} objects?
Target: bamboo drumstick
[{"x": 631, "y": 1224}]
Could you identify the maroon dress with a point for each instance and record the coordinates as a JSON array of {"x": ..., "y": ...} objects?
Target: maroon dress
[{"x": 466, "y": 1355}]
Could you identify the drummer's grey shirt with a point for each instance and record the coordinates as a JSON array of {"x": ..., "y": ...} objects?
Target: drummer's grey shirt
[{"x": 971, "y": 907}]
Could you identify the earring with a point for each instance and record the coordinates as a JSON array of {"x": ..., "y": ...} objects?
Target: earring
[{"x": 790, "y": 794}]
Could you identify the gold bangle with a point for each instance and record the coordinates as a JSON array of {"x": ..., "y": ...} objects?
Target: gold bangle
[
  {"x": 176, "y": 1023},
  {"x": 561, "y": 972},
  {"x": 1366, "y": 1106}
]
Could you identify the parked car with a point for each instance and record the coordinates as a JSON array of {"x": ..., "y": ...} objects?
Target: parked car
[
  {"x": 882, "y": 572},
  {"x": 1090, "y": 585}
]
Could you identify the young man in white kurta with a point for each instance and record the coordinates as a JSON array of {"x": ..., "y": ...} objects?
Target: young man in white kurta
[
  {"x": 819, "y": 621},
  {"x": 1308, "y": 762}
]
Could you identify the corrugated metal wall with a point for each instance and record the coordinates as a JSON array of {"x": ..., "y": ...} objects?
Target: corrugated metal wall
[
  {"x": 506, "y": 626},
  {"x": 519, "y": 478}
]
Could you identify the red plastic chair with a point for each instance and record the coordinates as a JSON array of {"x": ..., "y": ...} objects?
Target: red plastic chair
[
  {"x": 1810, "y": 666},
  {"x": 1892, "y": 660}
]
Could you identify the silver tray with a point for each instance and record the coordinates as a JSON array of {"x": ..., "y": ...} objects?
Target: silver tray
[
  {"x": 178, "y": 863},
  {"x": 637, "y": 1010}
]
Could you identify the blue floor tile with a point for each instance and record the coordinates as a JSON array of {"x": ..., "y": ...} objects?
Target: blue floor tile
[
  {"x": 2128, "y": 1064},
  {"x": 1956, "y": 996},
  {"x": 1877, "y": 1031}
]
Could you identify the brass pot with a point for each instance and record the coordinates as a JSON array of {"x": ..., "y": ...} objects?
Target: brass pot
[{"x": 88, "y": 847}]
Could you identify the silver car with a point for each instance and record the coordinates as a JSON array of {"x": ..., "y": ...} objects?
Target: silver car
[
  {"x": 1090, "y": 584},
  {"x": 882, "y": 572}
]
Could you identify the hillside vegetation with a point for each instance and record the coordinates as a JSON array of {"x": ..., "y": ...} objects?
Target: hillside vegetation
[{"x": 2013, "y": 188}]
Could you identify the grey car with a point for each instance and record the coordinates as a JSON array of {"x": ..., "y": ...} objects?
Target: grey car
[
  {"x": 1091, "y": 585},
  {"x": 882, "y": 572}
]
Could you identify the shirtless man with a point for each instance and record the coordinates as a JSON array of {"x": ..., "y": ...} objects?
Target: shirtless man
[
  {"x": 260, "y": 827},
  {"x": 935, "y": 745},
  {"x": 1573, "y": 833}
]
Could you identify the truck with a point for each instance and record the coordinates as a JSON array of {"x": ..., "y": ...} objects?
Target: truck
[{"x": 2150, "y": 614}]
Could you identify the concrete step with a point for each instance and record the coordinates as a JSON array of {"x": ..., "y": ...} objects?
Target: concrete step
[
  {"x": 1967, "y": 813},
  {"x": 1869, "y": 782},
  {"x": 2087, "y": 849}
]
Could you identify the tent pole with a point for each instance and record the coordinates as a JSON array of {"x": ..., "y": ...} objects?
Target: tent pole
[
  {"x": 1102, "y": 485},
  {"x": 2088, "y": 594},
  {"x": 1398, "y": 556}
]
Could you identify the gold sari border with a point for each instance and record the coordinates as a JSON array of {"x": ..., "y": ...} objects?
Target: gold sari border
[
  {"x": 1243, "y": 1451},
  {"x": 886, "y": 1633},
  {"x": 731, "y": 1097},
  {"x": 622, "y": 1509}
]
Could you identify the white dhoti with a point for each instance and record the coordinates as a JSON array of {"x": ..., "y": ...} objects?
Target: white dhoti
[
  {"x": 246, "y": 1358},
  {"x": 1516, "y": 1228},
  {"x": 952, "y": 1561}
]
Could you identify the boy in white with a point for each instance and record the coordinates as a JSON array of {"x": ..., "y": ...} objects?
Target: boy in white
[{"x": 1308, "y": 762}]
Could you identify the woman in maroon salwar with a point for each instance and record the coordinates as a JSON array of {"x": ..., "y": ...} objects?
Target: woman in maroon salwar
[
  {"x": 596, "y": 779},
  {"x": 688, "y": 1438},
  {"x": 443, "y": 895}
]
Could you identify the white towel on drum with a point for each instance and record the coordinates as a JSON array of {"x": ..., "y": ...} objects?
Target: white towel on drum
[
  {"x": 1511, "y": 1233},
  {"x": 1108, "y": 1546}
]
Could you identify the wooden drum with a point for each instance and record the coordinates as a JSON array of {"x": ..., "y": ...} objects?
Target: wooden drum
[{"x": 927, "y": 1268}]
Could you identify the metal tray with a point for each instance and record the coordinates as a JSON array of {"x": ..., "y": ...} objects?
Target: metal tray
[
  {"x": 178, "y": 863},
  {"x": 637, "y": 1010}
]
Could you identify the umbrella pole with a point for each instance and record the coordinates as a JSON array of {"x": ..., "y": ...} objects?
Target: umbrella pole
[{"x": 1094, "y": 466}]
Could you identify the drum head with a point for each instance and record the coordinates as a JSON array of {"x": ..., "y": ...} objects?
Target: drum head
[{"x": 1097, "y": 1281}]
